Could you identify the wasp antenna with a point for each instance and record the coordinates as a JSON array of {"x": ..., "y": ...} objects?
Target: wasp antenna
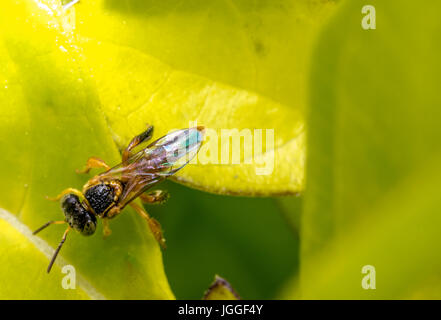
[
  {"x": 47, "y": 224},
  {"x": 58, "y": 249}
]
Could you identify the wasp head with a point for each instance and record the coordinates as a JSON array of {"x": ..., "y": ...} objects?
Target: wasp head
[{"x": 77, "y": 215}]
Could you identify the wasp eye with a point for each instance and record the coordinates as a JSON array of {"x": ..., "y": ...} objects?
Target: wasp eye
[
  {"x": 89, "y": 228},
  {"x": 69, "y": 202}
]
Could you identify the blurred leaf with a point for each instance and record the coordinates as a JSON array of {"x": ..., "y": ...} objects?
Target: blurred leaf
[
  {"x": 399, "y": 237},
  {"x": 374, "y": 122},
  {"x": 428, "y": 289},
  {"x": 220, "y": 289},
  {"x": 291, "y": 208},
  {"x": 369, "y": 129},
  {"x": 224, "y": 64},
  {"x": 49, "y": 127},
  {"x": 245, "y": 240}
]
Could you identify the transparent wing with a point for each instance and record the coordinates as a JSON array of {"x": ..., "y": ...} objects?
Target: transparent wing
[{"x": 161, "y": 159}]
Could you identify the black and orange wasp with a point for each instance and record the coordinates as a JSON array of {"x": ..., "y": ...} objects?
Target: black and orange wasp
[{"x": 105, "y": 195}]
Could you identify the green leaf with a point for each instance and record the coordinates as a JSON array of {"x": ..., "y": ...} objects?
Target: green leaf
[
  {"x": 291, "y": 208},
  {"x": 373, "y": 128},
  {"x": 227, "y": 65},
  {"x": 50, "y": 125},
  {"x": 28, "y": 255},
  {"x": 399, "y": 236}
]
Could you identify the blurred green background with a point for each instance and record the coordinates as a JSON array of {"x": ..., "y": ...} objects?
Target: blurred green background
[{"x": 247, "y": 241}]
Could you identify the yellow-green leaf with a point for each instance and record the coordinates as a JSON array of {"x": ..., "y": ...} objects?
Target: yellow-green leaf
[
  {"x": 374, "y": 111},
  {"x": 373, "y": 141},
  {"x": 49, "y": 125},
  {"x": 224, "y": 64},
  {"x": 398, "y": 236},
  {"x": 28, "y": 254}
]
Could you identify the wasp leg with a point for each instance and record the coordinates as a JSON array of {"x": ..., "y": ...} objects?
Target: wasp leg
[
  {"x": 94, "y": 162},
  {"x": 113, "y": 212},
  {"x": 64, "y": 192},
  {"x": 58, "y": 249},
  {"x": 106, "y": 229},
  {"x": 146, "y": 135},
  {"x": 155, "y": 197},
  {"x": 47, "y": 224},
  {"x": 154, "y": 225}
]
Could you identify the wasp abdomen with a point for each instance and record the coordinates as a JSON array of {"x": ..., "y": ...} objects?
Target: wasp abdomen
[{"x": 100, "y": 197}]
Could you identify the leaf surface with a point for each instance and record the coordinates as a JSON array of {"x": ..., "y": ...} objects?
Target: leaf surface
[
  {"x": 373, "y": 130},
  {"x": 50, "y": 125},
  {"x": 224, "y": 64}
]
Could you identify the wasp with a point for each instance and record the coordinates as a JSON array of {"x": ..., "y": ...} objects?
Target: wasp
[{"x": 108, "y": 193}]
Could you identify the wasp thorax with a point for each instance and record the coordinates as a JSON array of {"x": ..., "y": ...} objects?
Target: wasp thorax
[
  {"x": 77, "y": 216},
  {"x": 101, "y": 197}
]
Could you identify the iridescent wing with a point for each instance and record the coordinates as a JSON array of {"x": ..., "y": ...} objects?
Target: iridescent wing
[{"x": 161, "y": 159}]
